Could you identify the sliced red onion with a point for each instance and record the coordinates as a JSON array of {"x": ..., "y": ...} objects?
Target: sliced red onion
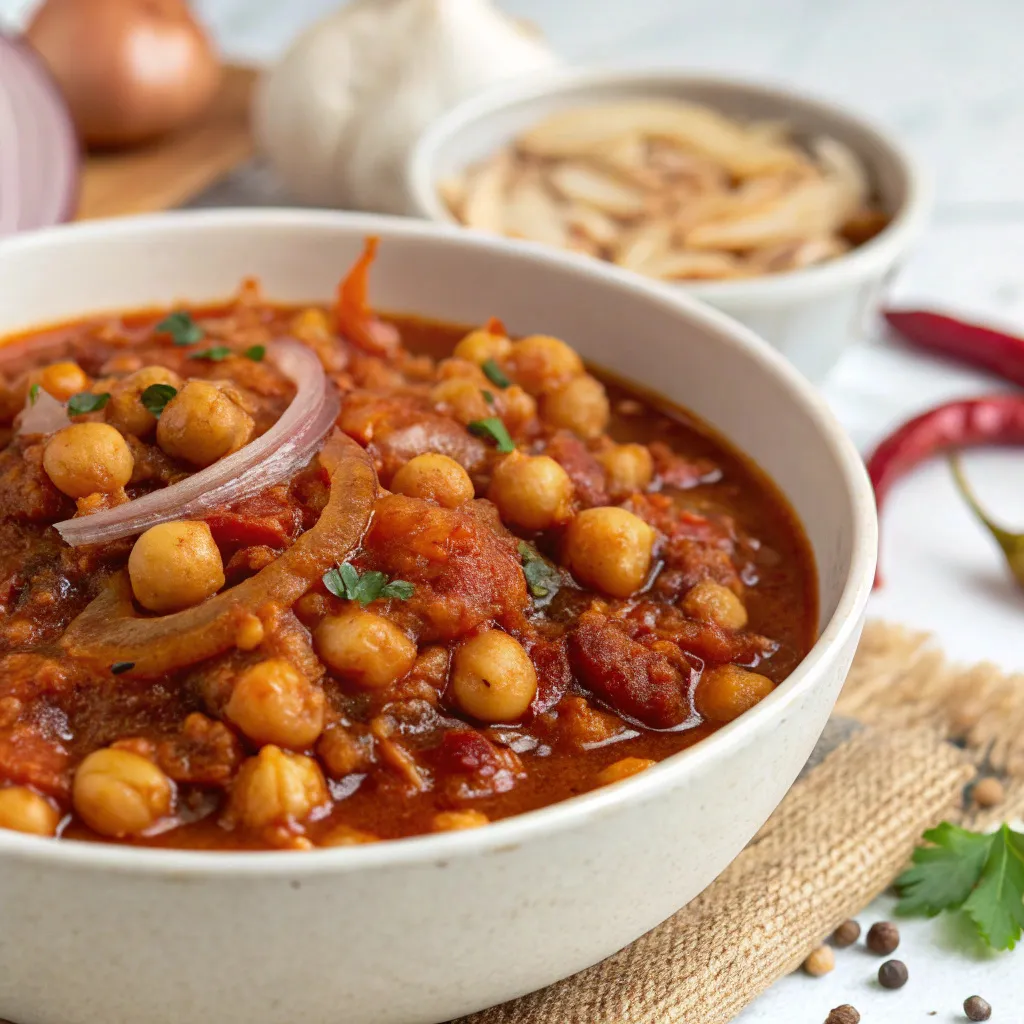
[
  {"x": 39, "y": 151},
  {"x": 42, "y": 416},
  {"x": 287, "y": 446}
]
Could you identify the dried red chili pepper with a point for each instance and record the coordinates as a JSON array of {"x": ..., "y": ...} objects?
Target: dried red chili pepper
[
  {"x": 966, "y": 423},
  {"x": 983, "y": 347}
]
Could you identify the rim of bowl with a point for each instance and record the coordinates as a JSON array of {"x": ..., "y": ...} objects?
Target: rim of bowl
[
  {"x": 768, "y": 289},
  {"x": 566, "y": 814}
]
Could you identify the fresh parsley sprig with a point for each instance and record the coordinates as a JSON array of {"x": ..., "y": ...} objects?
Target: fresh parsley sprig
[
  {"x": 542, "y": 578},
  {"x": 978, "y": 873},
  {"x": 156, "y": 396},
  {"x": 86, "y": 401},
  {"x": 346, "y": 582},
  {"x": 495, "y": 374},
  {"x": 181, "y": 327},
  {"x": 494, "y": 430}
]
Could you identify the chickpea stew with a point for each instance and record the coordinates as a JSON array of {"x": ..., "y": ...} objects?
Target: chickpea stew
[{"x": 287, "y": 578}]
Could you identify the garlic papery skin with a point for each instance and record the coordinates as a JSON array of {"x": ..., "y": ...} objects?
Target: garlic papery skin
[{"x": 337, "y": 116}]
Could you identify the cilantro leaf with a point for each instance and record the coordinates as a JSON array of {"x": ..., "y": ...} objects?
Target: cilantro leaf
[
  {"x": 255, "y": 353},
  {"x": 495, "y": 431},
  {"x": 488, "y": 396},
  {"x": 156, "y": 396},
  {"x": 981, "y": 874},
  {"x": 214, "y": 355},
  {"x": 495, "y": 374},
  {"x": 345, "y": 582},
  {"x": 542, "y": 578},
  {"x": 402, "y": 590},
  {"x": 33, "y": 394},
  {"x": 181, "y": 327},
  {"x": 86, "y": 401}
]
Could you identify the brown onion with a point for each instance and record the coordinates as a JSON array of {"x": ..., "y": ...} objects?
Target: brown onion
[{"x": 130, "y": 70}]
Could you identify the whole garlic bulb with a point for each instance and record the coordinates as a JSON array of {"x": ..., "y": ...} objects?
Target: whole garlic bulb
[{"x": 339, "y": 113}]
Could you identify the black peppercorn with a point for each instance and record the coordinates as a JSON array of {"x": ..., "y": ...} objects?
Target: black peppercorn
[
  {"x": 893, "y": 974},
  {"x": 977, "y": 1008},
  {"x": 883, "y": 938},
  {"x": 846, "y": 934}
]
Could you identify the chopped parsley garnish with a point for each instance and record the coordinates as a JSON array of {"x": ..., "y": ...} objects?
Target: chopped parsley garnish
[
  {"x": 345, "y": 581},
  {"x": 255, "y": 353},
  {"x": 181, "y": 327},
  {"x": 86, "y": 401},
  {"x": 495, "y": 374},
  {"x": 215, "y": 354},
  {"x": 33, "y": 394},
  {"x": 156, "y": 396},
  {"x": 978, "y": 873},
  {"x": 542, "y": 578},
  {"x": 488, "y": 396},
  {"x": 495, "y": 431},
  {"x": 122, "y": 666}
]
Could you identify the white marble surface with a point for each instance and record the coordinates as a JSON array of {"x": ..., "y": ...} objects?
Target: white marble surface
[{"x": 948, "y": 75}]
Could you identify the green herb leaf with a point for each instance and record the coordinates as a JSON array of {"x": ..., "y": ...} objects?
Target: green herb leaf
[
  {"x": 346, "y": 582},
  {"x": 214, "y": 355},
  {"x": 542, "y": 578},
  {"x": 495, "y": 374},
  {"x": 1012, "y": 544},
  {"x": 488, "y": 396},
  {"x": 495, "y": 431},
  {"x": 86, "y": 401},
  {"x": 255, "y": 353},
  {"x": 122, "y": 666},
  {"x": 33, "y": 394},
  {"x": 980, "y": 874},
  {"x": 181, "y": 327},
  {"x": 156, "y": 396}
]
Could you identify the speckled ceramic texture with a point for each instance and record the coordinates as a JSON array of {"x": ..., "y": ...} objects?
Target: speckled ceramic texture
[
  {"x": 810, "y": 315},
  {"x": 426, "y": 929}
]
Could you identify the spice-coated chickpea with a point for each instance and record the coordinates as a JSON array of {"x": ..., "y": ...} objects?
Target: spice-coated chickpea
[
  {"x": 623, "y": 769},
  {"x": 273, "y": 703},
  {"x": 579, "y": 405},
  {"x": 461, "y": 398},
  {"x": 175, "y": 565},
  {"x": 628, "y": 468},
  {"x": 435, "y": 478},
  {"x": 125, "y": 409},
  {"x": 726, "y": 691},
  {"x": 366, "y": 649},
  {"x": 480, "y": 345},
  {"x": 202, "y": 424},
  {"x": 531, "y": 491},
  {"x": 610, "y": 549},
  {"x": 346, "y": 835},
  {"x": 493, "y": 679},
  {"x": 62, "y": 380},
  {"x": 24, "y": 810},
  {"x": 276, "y": 788},
  {"x": 88, "y": 458},
  {"x": 118, "y": 793},
  {"x": 540, "y": 363},
  {"x": 712, "y": 602},
  {"x": 457, "y": 821}
]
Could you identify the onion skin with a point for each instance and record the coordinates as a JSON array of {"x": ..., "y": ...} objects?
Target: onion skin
[{"x": 130, "y": 70}]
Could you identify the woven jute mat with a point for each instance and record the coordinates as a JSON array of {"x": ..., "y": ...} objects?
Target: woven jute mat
[{"x": 909, "y": 736}]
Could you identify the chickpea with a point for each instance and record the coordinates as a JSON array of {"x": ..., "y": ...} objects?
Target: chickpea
[
  {"x": 202, "y": 424},
  {"x": 273, "y": 703},
  {"x": 610, "y": 549},
  {"x": 88, "y": 458},
  {"x": 457, "y": 821},
  {"x": 346, "y": 835},
  {"x": 125, "y": 409},
  {"x": 118, "y": 793},
  {"x": 434, "y": 478},
  {"x": 623, "y": 769},
  {"x": 518, "y": 407},
  {"x": 365, "y": 648},
  {"x": 62, "y": 380},
  {"x": 712, "y": 602},
  {"x": 175, "y": 565},
  {"x": 479, "y": 346},
  {"x": 539, "y": 363},
  {"x": 726, "y": 691},
  {"x": 24, "y": 810},
  {"x": 531, "y": 491},
  {"x": 628, "y": 468},
  {"x": 580, "y": 405},
  {"x": 462, "y": 398},
  {"x": 276, "y": 788},
  {"x": 493, "y": 679}
]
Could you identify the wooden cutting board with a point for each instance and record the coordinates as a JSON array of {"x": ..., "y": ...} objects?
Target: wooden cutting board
[{"x": 174, "y": 170}]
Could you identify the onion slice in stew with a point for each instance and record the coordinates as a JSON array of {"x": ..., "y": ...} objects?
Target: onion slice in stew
[
  {"x": 42, "y": 414},
  {"x": 287, "y": 446},
  {"x": 111, "y": 630}
]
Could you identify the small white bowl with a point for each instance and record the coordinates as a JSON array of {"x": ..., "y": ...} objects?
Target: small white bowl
[
  {"x": 810, "y": 315},
  {"x": 427, "y": 929}
]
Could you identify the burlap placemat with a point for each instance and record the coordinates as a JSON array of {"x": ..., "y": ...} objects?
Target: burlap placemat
[{"x": 909, "y": 734}]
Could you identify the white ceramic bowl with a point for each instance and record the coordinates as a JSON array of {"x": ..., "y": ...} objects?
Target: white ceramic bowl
[
  {"x": 810, "y": 315},
  {"x": 426, "y": 929}
]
